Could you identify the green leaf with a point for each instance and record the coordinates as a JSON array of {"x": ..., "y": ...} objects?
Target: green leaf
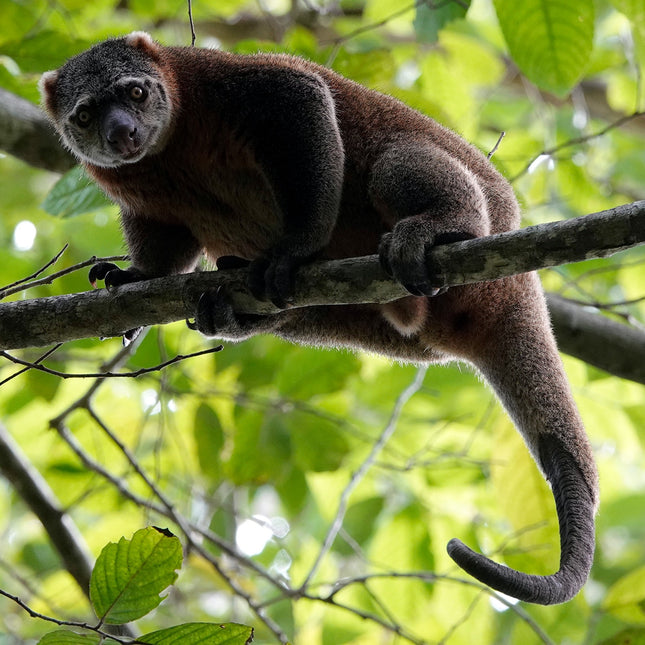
[
  {"x": 42, "y": 384},
  {"x": 627, "y": 637},
  {"x": 318, "y": 444},
  {"x": 635, "y": 12},
  {"x": 526, "y": 501},
  {"x": 65, "y": 637},
  {"x": 428, "y": 20},
  {"x": 626, "y": 597},
  {"x": 309, "y": 372},
  {"x": 359, "y": 523},
  {"x": 293, "y": 491},
  {"x": 390, "y": 11},
  {"x": 403, "y": 543},
  {"x": 20, "y": 16},
  {"x": 42, "y": 51},
  {"x": 130, "y": 575},
  {"x": 74, "y": 194},
  {"x": 209, "y": 438},
  {"x": 200, "y": 634},
  {"x": 262, "y": 448},
  {"x": 550, "y": 40}
]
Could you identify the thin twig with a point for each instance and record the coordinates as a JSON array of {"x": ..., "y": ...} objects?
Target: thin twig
[
  {"x": 578, "y": 141},
  {"x": 502, "y": 134},
  {"x": 336, "y": 525},
  {"x": 23, "y": 285},
  {"x": 106, "y": 374},
  {"x": 36, "y": 273},
  {"x": 32, "y": 365},
  {"x": 193, "y": 36},
  {"x": 430, "y": 577},
  {"x": 64, "y": 623}
]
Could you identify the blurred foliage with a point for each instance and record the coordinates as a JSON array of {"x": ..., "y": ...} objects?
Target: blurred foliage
[{"x": 259, "y": 441}]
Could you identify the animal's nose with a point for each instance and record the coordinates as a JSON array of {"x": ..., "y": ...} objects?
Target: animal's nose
[{"x": 120, "y": 130}]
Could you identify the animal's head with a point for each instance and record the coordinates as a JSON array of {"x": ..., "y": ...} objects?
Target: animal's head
[{"x": 110, "y": 104}]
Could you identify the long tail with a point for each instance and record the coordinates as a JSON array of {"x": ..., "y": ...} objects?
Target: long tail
[
  {"x": 575, "y": 507},
  {"x": 522, "y": 364}
]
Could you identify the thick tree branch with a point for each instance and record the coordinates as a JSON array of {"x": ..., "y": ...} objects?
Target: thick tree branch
[
  {"x": 598, "y": 340},
  {"x": 26, "y": 134},
  {"x": 38, "y": 496},
  {"x": 358, "y": 280}
]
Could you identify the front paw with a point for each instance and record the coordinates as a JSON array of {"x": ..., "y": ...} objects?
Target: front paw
[
  {"x": 402, "y": 254},
  {"x": 113, "y": 275},
  {"x": 216, "y": 317},
  {"x": 271, "y": 277}
]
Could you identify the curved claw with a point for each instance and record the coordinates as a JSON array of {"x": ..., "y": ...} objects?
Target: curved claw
[
  {"x": 131, "y": 335},
  {"x": 272, "y": 278},
  {"x": 575, "y": 507},
  {"x": 113, "y": 275},
  {"x": 231, "y": 262},
  {"x": 214, "y": 314},
  {"x": 100, "y": 270},
  {"x": 404, "y": 258}
]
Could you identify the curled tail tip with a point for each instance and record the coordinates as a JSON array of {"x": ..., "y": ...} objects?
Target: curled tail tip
[
  {"x": 542, "y": 590},
  {"x": 457, "y": 549}
]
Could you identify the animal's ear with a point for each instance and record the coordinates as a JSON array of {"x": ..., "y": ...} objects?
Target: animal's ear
[
  {"x": 143, "y": 40},
  {"x": 47, "y": 87}
]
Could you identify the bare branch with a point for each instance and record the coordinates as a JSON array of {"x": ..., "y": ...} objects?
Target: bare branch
[
  {"x": 106, "y": 374},
  {"x": 26, "y": 134},
  {"x": 29, "y": 282},
  {"x": 598, "y": 340},
  {"x": 103, "y": 313}
]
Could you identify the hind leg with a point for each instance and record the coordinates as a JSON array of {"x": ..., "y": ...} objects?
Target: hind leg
[{"x": 430, "y": 198}]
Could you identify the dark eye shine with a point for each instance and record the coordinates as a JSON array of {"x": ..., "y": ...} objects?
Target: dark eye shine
[{"x": 83, "y": 118}]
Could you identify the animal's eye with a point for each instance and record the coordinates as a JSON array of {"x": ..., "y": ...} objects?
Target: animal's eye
[
  {"x": 137, "y": 93},
  {"x": 83, "y": 118}
]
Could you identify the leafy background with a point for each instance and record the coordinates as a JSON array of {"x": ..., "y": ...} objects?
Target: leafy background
[{"x": 258, "y": 442}]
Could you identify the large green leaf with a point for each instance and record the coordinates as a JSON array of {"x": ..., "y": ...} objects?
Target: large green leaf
[
  {"x": 130, "y": 575},
  {"x": 526, "y": 501},
  {"x": 359, "y": 523},
  {"x": 200, "y": 634},
  {"x": 261, "y": 450},
  {"x": 74, "y": 194},
  {"x": 550, "y": 40}
]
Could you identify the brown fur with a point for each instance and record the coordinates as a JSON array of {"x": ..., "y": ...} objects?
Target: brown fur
[{"x": 273, "y": 157}]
